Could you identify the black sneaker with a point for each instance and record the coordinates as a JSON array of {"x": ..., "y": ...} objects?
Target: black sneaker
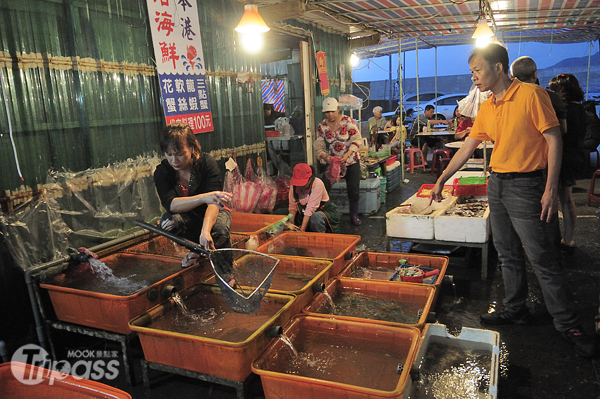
[
  {"x": 584, "y": 344},
  {"x": 504, "y": 317}
]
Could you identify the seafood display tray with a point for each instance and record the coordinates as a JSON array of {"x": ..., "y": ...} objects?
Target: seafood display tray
[{"x": 462, "y": 228}]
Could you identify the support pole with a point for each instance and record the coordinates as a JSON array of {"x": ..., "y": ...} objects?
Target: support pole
[
  {"x": 436, "y": 92},
  {"x": 417, "y": 76},
  {"x": 390, "y": 79},
  {"x": 587, "y": 82},
  {"x": 402, "y": 139}
]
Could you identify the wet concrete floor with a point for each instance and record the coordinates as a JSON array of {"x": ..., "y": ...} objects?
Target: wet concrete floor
[{"x": 536, "y": 362}]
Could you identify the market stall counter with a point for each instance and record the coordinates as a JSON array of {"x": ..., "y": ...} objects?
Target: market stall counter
[{"x": 460, "y": 220}]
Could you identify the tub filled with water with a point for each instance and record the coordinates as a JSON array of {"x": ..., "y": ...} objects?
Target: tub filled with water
[
  {"x": 256, "y": 226},
  {"x": 337, "y": 359},
  {"x": 202, "y": 334},
  {"x": 382, "y": 266},
  {"x": 373, "y": 301},
  {"x": 106, "y": 293},
  {"x": 296, "y": 276},
  {"x": 338, "y": 247},
  {"x": 447, "y": 366}
]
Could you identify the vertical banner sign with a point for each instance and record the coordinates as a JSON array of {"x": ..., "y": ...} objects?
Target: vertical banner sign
[
  {"x": 322, "y": 69},
  {"x": 180, "y": 62}
]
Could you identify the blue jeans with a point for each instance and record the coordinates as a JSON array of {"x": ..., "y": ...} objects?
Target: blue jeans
[
  {"x": 190, "y": 228},
  {"x": 318, "y": 223},
  {"x": 517, "y": 230}
]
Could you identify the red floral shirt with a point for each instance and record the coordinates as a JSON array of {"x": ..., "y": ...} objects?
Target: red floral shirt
[{"x": 346, "y": 138}]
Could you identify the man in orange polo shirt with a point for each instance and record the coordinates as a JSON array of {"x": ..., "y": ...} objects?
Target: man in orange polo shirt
[{"x": 522, "y": 191}]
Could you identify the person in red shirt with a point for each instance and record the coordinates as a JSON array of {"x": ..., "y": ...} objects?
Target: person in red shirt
[{"x": 465, "y": 123}]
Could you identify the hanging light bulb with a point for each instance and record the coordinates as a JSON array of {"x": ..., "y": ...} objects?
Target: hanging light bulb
[
  {"x": 354, "y": 60},
  {"x": 483, "y": 29},
  {"x": 483, "y": 34},
  {"x": 252, "y": 21},
  {"x": 252, "y": 42}
]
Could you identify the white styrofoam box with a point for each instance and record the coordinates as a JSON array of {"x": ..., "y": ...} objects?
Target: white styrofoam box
[
  {"x": 485, "y": 341},
  {"x": 369, "y": 200},
  {"x": 413, "y": 225},
  {"x": 474, "y": 163},
  {"x": 462, "y": 229}
]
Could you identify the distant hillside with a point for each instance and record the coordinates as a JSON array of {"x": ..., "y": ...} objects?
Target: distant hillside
[{"x": 576, "y": 62}]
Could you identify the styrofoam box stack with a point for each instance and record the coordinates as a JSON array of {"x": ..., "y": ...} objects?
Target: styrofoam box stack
[
  {"x": 413, "y": 225},
  {"x": 462, "y": 228},
  {"x": 369, "y": 200},
  {"x": 393, "y": 177}
]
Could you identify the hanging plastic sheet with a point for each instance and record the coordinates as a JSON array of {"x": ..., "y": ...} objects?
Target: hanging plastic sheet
[{"x": 81, "y": 209}]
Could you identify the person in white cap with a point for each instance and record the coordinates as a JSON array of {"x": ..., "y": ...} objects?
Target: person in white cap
[{"x": 341, "y": 134}]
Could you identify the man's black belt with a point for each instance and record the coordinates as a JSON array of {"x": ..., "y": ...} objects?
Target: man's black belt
[{"x": 516, "y": 175}]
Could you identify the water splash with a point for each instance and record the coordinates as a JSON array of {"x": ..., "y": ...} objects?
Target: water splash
[
  {"x": 105, "y": 273},
  {"x": 330, "y": 300},
  {"x": 190, "y": 318},
  {"x": 286, "y": 340},
  {"x": 179, "y": 302}
]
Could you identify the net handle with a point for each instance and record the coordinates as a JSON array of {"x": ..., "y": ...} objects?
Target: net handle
[{"x": 192, "y": 246}]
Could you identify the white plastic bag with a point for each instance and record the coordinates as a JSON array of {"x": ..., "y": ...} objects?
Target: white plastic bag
[{"x": 469, "y": 106}]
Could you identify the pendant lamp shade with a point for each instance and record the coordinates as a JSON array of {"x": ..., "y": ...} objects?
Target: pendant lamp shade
[
  {"x": 483, "y": 30},
  {"x": 251, "y": 21}
]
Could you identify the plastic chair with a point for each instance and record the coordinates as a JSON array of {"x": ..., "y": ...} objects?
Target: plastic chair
[
  {"x": 591, "y": 195},
  {"x": 443, "y": 165},
  {"x": 438, "y": 155},
  {"x": 411, "y": 164}
]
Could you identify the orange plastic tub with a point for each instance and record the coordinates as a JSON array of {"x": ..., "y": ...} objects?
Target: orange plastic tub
[
  {"x": 79, "y": 297},
  {"x": 161, "y": 245},
  {"x": 223, "y": 344},
  {"x": 338, "y": 359},
  {"x": 338, "y": 247},
  {"x": 253, "y": 224},
  {"x": 296, "y": 276},
  {"x": 49, "y": 384},
  {"x": 381, "y": 266},
  {"x": 371, "y": 301}
]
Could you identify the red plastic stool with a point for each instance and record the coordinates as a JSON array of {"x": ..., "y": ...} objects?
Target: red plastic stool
[
  {"x": 443, "y": 165},
  {"x": 591, "y": 195},
  {"x": 411, "y": 165},
  {"x": 437, "y": 157}
]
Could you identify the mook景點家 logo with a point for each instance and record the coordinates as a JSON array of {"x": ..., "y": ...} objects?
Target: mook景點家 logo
[{"x": 82, "y": 364}]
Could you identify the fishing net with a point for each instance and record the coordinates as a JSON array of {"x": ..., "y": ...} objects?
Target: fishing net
[{"x": 243, "y": 276}]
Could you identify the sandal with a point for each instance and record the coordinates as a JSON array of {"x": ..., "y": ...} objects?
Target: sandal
[{"x": 597, "y": 324}]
